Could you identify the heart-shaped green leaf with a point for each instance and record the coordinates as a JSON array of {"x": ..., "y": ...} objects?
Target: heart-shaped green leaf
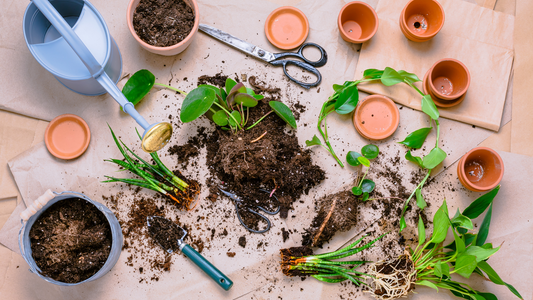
[
  {"x": 313, "y": 142},
  {"x": 220, "y": 118},
  {"x": 367, "y": 186},
  {"x": 462, "y": 221},
  {"x": 411, "y": 77},
  {"x": 428, "y": 107},
  {"x": 370, "y": 151},
  {"x": 434, "y": 158},
  {"x": 337, "y": 87},
  {"x": 391, "y": 77},
  {"x": 441, "y": 224},
  {"x": 417, "y": 160},
  {"x": 196, "y": 103},
  {"x": 465, "y": 265},
  {"x": 245, "y": 99},
  {"x": 138, "y": 86},
  {"x": 364, "y": 161},
  {"x": 357, "y": 190},
  {"x": 420, "y": 202},
  {"x": 351, "y": 158},
  {"x": 284, "y": 112},
  {"x": 347, "y": 100},
  {"x": 373, "y": 73},
  {"x": 416, "y": 138}
]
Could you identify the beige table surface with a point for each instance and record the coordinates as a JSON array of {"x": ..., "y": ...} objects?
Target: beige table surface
[{"x": 19, "y": 133}]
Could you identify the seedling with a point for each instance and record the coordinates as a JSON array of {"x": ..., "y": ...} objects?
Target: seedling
[
  {"x": 300, "y": 261},
  {"x": 432, "y": 264},
  {"x": 365, "y": 186},
  {"x": 345, "y": 100},
  {"x": 155, "y": 177}
]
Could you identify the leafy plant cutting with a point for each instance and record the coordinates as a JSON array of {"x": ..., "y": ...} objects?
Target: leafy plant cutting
[
  {"x": 345, "y": 100},
  {"x": 364, "y": 186},
  {"x": 156, "y": 176},
  {"x": 228, "y": 107},
  {"x": 431, "y": 263},
  {"x": 300, "y": 261}
]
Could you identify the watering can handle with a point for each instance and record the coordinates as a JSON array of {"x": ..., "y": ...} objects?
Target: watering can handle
[{"x": 37, "y": 205}]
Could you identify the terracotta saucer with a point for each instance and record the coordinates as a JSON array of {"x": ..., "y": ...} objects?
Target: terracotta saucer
[
  {"x": 440, "y": 102},
  {"x": 286, "y": 27},
  {"x": 67, "y": 136},
  {"x": 376, "y": 117}
]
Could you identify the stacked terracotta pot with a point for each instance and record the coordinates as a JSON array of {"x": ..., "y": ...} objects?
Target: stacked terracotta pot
[{"x": 447, "y": 82}]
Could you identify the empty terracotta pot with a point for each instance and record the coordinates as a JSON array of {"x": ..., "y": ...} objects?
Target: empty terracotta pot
[
  {"x": 170, "y": 50},
  {"x": 376, "y": 117},
  {"x": 449, "y": 79},
  {"x": 358, "y": 22},
  {"x": 421, "y": 20},
  {"x": 480, "y": 170}
]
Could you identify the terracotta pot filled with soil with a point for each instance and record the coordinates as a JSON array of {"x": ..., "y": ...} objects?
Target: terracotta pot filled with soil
[
  {"x": 421, "y": 20},
  {"x": 71, "y": 240},
  {"x": 480, "y": 170},
  {"x": 165, "y": 27},
  {"x": 357, "y": 22}
]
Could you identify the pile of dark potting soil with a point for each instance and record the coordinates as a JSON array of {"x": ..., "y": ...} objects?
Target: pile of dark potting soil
[{"x": 71, "y": 240}]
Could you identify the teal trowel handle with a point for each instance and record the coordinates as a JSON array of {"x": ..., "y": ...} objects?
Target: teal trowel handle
[
  {"x": 94, "y": 67},
  {"x": 206, "y": 266}
]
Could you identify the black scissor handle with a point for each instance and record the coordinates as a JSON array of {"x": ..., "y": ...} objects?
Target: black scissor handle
[
  {"x": 255, "y": 213},
  {"x": 302, "y": 65},
  {"x": 299, "y": 54},
  {"x": 269, "y": 211}
]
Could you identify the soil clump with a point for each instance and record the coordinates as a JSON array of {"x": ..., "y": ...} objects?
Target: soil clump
[{"x": 71, "y": 240}]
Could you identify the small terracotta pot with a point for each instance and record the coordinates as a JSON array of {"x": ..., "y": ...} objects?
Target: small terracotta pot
[
  {"x": 170, "y": 50},
  {"x": 286, "y": 27},
  {"x": 449, "y": 79},
  {"x": 421, "y": 20},
  {"x": 439, "y": 102},
  {"x": 358, "y": 22},
  {"x": 376, "y": 117},
  {"x": 480, "y": 170}
]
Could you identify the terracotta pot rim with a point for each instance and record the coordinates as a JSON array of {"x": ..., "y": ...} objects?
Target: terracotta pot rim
[
  {"x": 155, "y": 49},
  {"x": 339, "y": 25},
  {"x": 426, "y": 37},
  {"x": 50, "y": 143},
  {"x": 438, "y": 101},
  {"x": 271, "y": 37},
  {"x": 477, "y": 188},
  {"x": 395, "y": 113},
  {"x": 462, "y": 92}
]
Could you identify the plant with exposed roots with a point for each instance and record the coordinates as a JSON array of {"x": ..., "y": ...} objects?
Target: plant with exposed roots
[
  {"x": 300, "y": 261},
  {"x": 431, "y": 263}
]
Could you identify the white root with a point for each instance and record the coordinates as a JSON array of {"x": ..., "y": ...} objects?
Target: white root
[{"x": 395, "y": 285}]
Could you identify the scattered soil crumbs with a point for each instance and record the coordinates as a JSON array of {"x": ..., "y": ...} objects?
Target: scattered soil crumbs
[
  {"x": 165, "y": 233},
  {"x": 276, "y": 161},
  {"x": 71, "y": 240},
  {"x": 144, "y": 254},
  {"x": 285, "y": 234},
  {"x": 337, "y": 212},
  {"x": 242, "y": 241},
  {"x": 163, "y": 23},
  {"x": 230, "y": 254}
]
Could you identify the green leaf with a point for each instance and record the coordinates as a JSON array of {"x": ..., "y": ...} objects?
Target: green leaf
[
  {"x": 238, "y": 88},
  {"x": 357, "y": 190},
  {"x": 459, "y": 242},
  {"x": 220, "y": 118},
  {"x": 337, "y": 87},
  {"x": 245, "y": 99},
  {"x": 484, "y": 229},
  {"x": 460, "y": 220},
  {"x": 441, "y": 270},
  {"x": 488, "y": 296},
  {"x": 480, "y": 204},
  {"x": 468, "y": 238},
  {"x": 420, "y": 202},
  {"x": 428, "y": 107},
  {"x": 495, "y": 278},
  {"x": 230, "y": 83},
  {"x": 417, "y": 160},
  {"x": 411, "y": 77},
  {"x": 434, "y": 158},
  {"x": 347, "y": 101},
  {"x": 367, "y": 185},
  {"x": 391, "y": 77},
  {"x": 284, "y": 112},
  {"x": 365, "y": 196},
  {"x": 373, "y": 73},
  {"x": 196, "y": 103},
  {"x": 416, "y": 138},
  {"x": 315, "y": 141},
  {"x": 138, "y": 86},
  {"x": 465, "y": 265},
  {"x": 481, "y": 253},
  {"x": 428, "y": 284},
  {"x": 237, "y": 117},
  {"x": 421, "y": 231},
  {"x": 351, "y": 158},
  {"x": 370, "y": 151},
  {"x": 251, "y": 92},
  {"x": 364, "y": 161},
  {"x": 402, "y": 223},
  {"x": 440, "y": 224}
]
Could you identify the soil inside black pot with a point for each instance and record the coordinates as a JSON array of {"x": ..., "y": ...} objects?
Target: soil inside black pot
[
  {"x": 71, "y": 240},
  {"x": 163, "y": 23}
]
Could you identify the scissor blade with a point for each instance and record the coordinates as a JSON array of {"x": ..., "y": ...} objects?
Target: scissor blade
[{"x": 237, "y": 43}]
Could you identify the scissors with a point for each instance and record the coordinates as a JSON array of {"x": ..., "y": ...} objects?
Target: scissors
[
  {"x": 239, "y": 202},
  {"x": 276, "y": 59}
]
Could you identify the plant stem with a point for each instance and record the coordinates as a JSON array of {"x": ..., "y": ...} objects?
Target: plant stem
[
  {"x": 229, "y": 114},
  {"x": 171, "y": 88},
  {"x": 420, "y": 185},
  {"x": 261, "y": 119}
]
